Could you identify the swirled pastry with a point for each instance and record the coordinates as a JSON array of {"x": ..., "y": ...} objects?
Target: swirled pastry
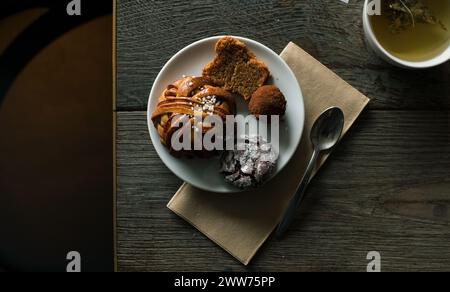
[{"x": 185, "y": 99}]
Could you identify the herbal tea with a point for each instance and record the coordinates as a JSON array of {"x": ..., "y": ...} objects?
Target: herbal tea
[{"x": 413, "y": 30}]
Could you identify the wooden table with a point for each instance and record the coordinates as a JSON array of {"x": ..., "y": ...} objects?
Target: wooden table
[{"x": 386, "y": 188}]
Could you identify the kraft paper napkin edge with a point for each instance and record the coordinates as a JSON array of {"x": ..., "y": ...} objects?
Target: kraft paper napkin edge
[
  {"x": 244, "y": 261},
  {"x": 364, "y": 97}
]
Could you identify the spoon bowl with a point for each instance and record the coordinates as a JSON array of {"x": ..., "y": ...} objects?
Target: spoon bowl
[{"x": 327, "y": 129}]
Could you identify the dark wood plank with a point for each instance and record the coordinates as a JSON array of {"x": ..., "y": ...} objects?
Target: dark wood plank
[
  {"x": 150, "y": 32},
  {"x": 386, "y": 188}
]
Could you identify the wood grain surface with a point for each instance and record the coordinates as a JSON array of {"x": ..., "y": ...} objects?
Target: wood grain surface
[
  {"x": 386, "y": 187},
  {"x": 150, "y": 32}
]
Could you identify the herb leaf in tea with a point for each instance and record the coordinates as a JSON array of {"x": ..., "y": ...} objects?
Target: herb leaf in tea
[{"x": 404, "y": 14}]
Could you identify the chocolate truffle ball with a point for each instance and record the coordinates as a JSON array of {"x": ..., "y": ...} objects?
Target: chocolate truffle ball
[{"x": 267, "y": 100}]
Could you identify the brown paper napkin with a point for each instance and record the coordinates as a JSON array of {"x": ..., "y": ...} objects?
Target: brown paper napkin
[{"x": 240, "y": 223}]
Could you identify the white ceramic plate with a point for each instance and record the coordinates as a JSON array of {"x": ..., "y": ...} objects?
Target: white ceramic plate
[{"x": 203, "y": 173}]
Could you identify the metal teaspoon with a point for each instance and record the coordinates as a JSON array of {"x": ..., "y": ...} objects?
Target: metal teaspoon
[{"x": 325, "y": 133}]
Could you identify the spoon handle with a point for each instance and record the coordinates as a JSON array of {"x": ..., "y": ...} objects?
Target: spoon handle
[{"x": 298, "y": 197}]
